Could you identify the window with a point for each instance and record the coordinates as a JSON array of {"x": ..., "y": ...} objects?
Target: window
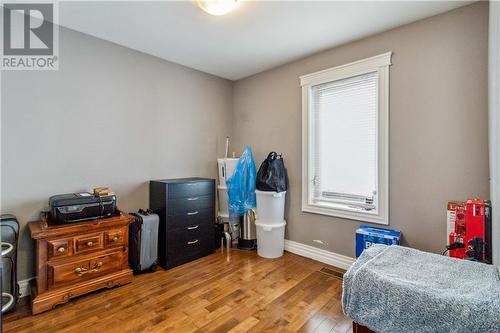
[{"x": 345, "y": 119}]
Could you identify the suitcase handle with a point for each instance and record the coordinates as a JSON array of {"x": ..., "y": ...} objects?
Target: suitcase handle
[
  {"x": 8, "y": 248},
  {"x": 9, "y": 302},
  {"x": 145, "y": 212}
]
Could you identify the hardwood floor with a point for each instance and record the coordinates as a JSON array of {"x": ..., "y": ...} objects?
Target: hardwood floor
[{"x": 235, "y": 292}]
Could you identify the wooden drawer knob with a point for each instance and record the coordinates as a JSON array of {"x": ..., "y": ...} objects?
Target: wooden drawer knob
[
  {"x": 90, "y": 243},
  {"x": 115, "y": 238},
  {"x": 62, "y": 249}
]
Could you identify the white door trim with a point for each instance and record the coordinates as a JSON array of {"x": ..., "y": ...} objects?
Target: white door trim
[{"x": 494, "y": 124}]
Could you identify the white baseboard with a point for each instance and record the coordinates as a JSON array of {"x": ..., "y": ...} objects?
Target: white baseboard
[
  {"x": 324, "y": 256},
  {"x": 24, "y": 287}
]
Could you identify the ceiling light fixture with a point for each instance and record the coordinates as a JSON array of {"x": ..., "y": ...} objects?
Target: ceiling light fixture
[{"x": 217, "y": 7}]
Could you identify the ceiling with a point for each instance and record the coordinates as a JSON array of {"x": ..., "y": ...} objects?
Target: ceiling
[{"x": 256, "y": 36}]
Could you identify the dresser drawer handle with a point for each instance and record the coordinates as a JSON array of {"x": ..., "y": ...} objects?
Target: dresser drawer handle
[
  {"x": 114, "y": 239},
  {"x": 90, "y": 243},
  {"x": 81, "y": 271},
  {"x": 193, "y": 199},
  {"x": 62, "y": 249},
  {"x": 193, "y": 213},
  {"x": 193, "y": 227},
  {"x": 193, "y": 242}
]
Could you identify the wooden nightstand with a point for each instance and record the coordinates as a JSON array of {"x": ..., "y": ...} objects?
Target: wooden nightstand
[{"x": 76, "y": 258}]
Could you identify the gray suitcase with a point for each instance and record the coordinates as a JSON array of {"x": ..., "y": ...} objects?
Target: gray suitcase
[
  {"x": 9, "y": 235},
  {"x": 143, "y": 240}
]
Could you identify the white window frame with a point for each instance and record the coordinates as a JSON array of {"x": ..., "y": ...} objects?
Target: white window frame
[{"x": 380, "y": 64}]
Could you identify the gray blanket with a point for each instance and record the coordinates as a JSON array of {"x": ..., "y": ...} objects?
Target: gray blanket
[{"x": 399, "y": 289}]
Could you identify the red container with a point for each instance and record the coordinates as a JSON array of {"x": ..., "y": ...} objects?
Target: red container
[{"x": 473, "y": 229}]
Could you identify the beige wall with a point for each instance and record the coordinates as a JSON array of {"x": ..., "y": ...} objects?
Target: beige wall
[
  {"x": 110, "y": 116},
  {"x": 115, "y": 117},
  {"x": 438, "y": 125}
]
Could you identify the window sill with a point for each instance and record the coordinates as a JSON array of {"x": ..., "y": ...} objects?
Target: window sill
[{"x": 358, "y": 216}]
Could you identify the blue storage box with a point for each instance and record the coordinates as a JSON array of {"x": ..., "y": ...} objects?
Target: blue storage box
[{"x": 367, "y": 236}]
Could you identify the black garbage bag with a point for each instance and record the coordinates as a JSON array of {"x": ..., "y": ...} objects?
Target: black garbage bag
[{"x": 272, "y": 174}]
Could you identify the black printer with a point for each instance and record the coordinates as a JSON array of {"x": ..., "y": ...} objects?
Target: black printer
[{"x": 76, "y": 207}]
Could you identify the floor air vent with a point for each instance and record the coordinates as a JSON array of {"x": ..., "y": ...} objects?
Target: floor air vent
[{"x": 333, "y": 273}]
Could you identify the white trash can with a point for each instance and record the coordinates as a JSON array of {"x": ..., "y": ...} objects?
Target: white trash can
[
  {"x": 270, "y": 239},
  {"x": 270, "y": 206}
]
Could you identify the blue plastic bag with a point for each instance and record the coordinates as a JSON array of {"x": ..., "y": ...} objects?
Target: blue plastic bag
[{"x": 241, "y": 185}]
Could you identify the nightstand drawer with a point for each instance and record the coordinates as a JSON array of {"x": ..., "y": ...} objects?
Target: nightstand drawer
[
  {"x": 82, "y": 270},
  {"x": 190, "y": 189},
  {"x": 90, "y": 242},
  {"x": 189, "y": 205},
  {"x": 114, "y": 237},
  {"x": 59, "y": 248}
]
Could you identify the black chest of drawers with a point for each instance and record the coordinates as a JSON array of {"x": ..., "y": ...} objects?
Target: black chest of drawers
[{"x": 187, "y": 218}]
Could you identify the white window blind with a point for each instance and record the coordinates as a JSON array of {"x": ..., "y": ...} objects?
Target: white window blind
[
  {"x": 344, "y": 145},
  {"x": 345, "y": 140}
]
